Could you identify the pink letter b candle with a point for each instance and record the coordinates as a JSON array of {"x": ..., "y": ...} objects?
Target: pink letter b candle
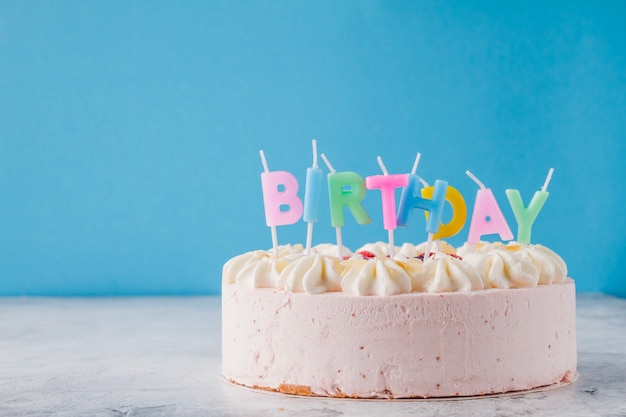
[{"x": 280, "y": 189}]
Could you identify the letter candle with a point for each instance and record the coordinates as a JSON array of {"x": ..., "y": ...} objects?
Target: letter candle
[
  {"x": 459, "y": 212},
  {"x": 311, "y": 197},
  {"x": 344, "y": 189},
  {"x": 427, "y": 192},
  {"x": 410, "y": 199},
  {"x": 273, "y": 199},
  {"x": 487, "y": 217},
  {"x": 387, "y": 185},
  {"x": 526, "y": 216}
]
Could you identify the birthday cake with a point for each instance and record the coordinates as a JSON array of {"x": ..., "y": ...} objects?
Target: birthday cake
[
  {"x": 387, "y": 321},
  {"x": 500, "y": 319}
]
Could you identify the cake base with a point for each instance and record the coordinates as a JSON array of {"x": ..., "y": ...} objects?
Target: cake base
[
  {"x": 417, "y": 345},
  {"x": 568, "y": 380}
]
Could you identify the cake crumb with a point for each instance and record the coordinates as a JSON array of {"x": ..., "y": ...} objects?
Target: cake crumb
[
  {"x": 569, "y": 377},
  {"x": 295, "y": 389}
]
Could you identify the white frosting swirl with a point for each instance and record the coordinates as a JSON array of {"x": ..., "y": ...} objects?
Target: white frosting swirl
[
  {"x": 287, "y": 250},
  {"x": 436, "y": 246},
  {"x": 407, "y": 249},
  {"x": 551, "y": 267},
  {"x": 330, "y": 249},
  {"x": 314, "y": 274},
  {"x": 501, "y": 268},
  {"x": 444, "y": 273},
  {"x": 380, "y": 249},
  {"x": 256, "y": 269},
  {"x": 376, "y": 276},
  {"x": 234, "y": 265},
  {"x": 480, "y": 247}
]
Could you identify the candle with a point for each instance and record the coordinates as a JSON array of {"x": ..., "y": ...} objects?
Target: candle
[
  {"x": 387, "y": 184},
  {"x": 280, "y": 190},
  {"x": 311, "y": 197},
  {"x": 526, "y": 216},
  {"x": 345, "y": 189},
  {"x": 459, "y": 212},
  {"x": 410, "y": 200},
  {"x": 487, "y": 217}
]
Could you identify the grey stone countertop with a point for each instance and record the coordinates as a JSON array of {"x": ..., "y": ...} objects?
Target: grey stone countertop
[{"x": 160, "y": 356}]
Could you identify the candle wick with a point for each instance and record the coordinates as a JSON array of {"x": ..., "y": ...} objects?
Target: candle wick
[
  {"x": 264, "y": 161},
  {"x": 327, "y": 162},
  {"x": 423, "y": 182},
  {"x": 476, "y": 180},
  {"x": 548, "y": 178},
  {"x": 417, "y": 161},
  {"x": 382, "y": 165},
  {"x": 314, "y": 153}
]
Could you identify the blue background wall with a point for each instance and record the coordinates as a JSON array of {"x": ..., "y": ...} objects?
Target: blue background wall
[{"x": 130, "y": 131}]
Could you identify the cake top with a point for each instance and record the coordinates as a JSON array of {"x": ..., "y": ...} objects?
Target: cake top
[{"x": 371, "y": 271}]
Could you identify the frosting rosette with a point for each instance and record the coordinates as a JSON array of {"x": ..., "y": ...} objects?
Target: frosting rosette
[
  {"x": 445, "y": 273},
  {"x": 480, "y": 247},
  {"x": 380, "y": 249},
  {"x": 502, "y": 268},
  {"x": 436, "y": 246},
  {"x": 288, "y": 250},
  {"x": 330, "y": 249},
  {"x": 375, "y": 276},
  {"x": 256, "y": 269},
  {"x": 314, "y": 274},
  {"x": 551, "y": 267}
]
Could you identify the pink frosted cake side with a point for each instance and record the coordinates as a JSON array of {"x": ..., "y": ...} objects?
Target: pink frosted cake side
[{"x": 374, "y": 337}]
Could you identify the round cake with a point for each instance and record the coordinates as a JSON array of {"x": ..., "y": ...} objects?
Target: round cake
[{"x": 480, "y": 319}]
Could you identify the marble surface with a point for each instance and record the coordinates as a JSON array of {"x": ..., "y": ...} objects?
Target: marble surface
[{"x": 161, "y": 357}]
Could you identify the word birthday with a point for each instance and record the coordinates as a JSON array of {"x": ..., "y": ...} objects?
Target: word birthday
[{"x": 347, "y": 189}]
